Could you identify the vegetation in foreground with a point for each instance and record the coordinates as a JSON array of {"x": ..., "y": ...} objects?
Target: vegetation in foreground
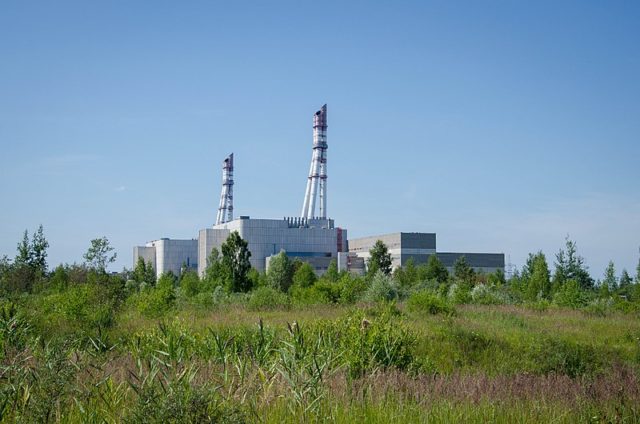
[{"x": 78, "y": 344}]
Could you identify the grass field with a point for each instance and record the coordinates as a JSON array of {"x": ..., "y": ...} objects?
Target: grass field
[{"x": 363, "y": 363}]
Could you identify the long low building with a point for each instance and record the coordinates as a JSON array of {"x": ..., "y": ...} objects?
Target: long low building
[{"x": 418, "y": 247}]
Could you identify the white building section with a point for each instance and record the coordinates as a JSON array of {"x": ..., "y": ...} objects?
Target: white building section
[
  {"x": 317, "y": 180},
  {"x": 225, "y": 211},
  {"x": 316, "y": 241},
  {"x": 168, "y": 255}
]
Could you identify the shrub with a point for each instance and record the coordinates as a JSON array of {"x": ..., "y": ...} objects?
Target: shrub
[
  {"x": 541, "y": 305},
  {"x": 310, "y": 295},
  {"x": 267, "y": 298},
  {"x": 600, "y": 307},
  {"x": 379, "y": 342},
  {"x": 189, "y": 284},
  {"x": 351, "y": 288},
  {"x": 564, "y": 357},
  {"x": 459, "y": 294},
  {"x": 484, "y": 295},
  {"x": 304, "y": 276},
  {"x": 427, "y": 301},
  {"x": 154, "y": 302},
  {"x": 382, "y": 288},
  {"x": 570, "y": 295}
]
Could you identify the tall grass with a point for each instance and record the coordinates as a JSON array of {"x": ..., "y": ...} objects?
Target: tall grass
[{"x": 373, "y": 363}]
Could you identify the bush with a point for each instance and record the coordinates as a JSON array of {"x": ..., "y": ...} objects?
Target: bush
[
  {"x": 570, "y": 295},
  {"x": 564, "y": 357},
  {"x": 600, "y": 307},
  {"x": 311, "y": 295},
  {"x": 541, "y": 305},
  {"x": 379, "y": 342},
  {"x": 267, "y": 298},
  {"x": 189, "y": 284},
  {"x": 154, "y": 302},
  {"x": 382, "y": 288},
  {"x": 459, "y": 294},
  {"x": 427, "y": 301},
  {"x": 484, "y": 295},
  {"x": 351, "y": 288}
]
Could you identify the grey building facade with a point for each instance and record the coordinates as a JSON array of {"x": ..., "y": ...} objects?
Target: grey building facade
[
  {"x": 316, "y": 241},
  {"x": 168, "y": 255},
  {"x": 418, "y": 247}
]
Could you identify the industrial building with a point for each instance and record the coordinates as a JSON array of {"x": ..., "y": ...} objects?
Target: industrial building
[
  {"x": 419, "y": 246},
  {"x": 311, "y": 237}
]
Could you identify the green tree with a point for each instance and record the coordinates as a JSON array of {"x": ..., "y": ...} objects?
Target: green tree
[
  {"x": 280, "y": 273},
  {"x": 304, "y": 276},
  {"x": 463, "y": 272},
  {"x": 407, "y": 275},
  {"x": 99, "y": 255},
  {"x": 214, "y": 274},
  {"x": 39, "y": 245},
  {"x": 332, "y": 273},
  {"x": 538, "y": 283},
  {"x": 625, "y": 279},
  {"x": 435, "y": 270},
  {"x": 379, "y": 259},
  {"x": 25, "y": 254},
  {"x": 638, "y": 272},
  {"x": 610, "y": 280},
  {"x": 570, "y": 266},
  {"x": 497, "y": 278},
  {"x": 235, "y": 261},
  {"x": 59, "y": 278},
  {"x": 189, "y": 283},
  {"x": 140, "y": 271}
]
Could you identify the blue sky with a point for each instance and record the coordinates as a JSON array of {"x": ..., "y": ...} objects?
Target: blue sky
[{"x": 502, "y": 126}]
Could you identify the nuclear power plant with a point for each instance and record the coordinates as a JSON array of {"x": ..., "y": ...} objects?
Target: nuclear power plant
[{"x": 311, "y": 238}]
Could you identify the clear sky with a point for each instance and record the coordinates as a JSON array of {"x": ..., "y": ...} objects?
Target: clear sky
[{"x": 502, "y": 126}]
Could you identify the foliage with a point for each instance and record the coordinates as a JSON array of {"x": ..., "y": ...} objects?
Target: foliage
[
  {"x": 381, "y": 288},
  {"x": 459, "y": 294},
  {"x": 435, "y": 270},
  {"x": 267, "y": 298},
  {"x": 332, "y": 273},
  {"x": 536, "y": 278},
  {"x": 304, "y": 276},
  {"x": 280, "y": 273},
  {"x": 144, "y": 273},
  {"x": 99, "y": 255},
  {"x": 462, "y": 271},
  {"x": 156, "y": 301},
  {"x": 482, "y": 294},
  {"x": 570, "y": 295},
  {"x": 429, "y": 302},
  {"x": 570, "y": 266},
  {"x": 235, "y": 262},
  {"x": 379, "y": 259},
  {"x": 610, "y": 281},
  {"x": 407, "y": 275},
  {"x": 190, "y": 283}
]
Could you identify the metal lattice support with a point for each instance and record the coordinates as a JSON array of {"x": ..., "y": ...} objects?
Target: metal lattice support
[
  {"x": 318, "y": 169},
  {"x": 225, "y": 210}
]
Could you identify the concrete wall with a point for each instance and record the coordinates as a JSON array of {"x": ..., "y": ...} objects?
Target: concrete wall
[
  {"x": 402, "y": 246},
  {"x": 147, "y": 253},
  {"x": 267, "y": 237},
  {"x": 209, "y": 238},
  {"x": 169, "y": 255}
]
